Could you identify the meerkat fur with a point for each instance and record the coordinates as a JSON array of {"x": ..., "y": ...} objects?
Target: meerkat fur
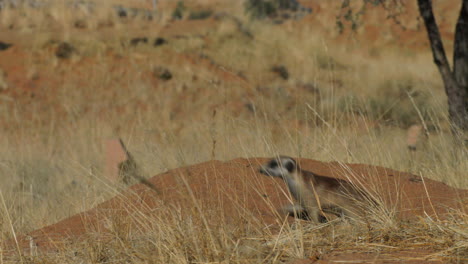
[{"x": 315, "y": 194}]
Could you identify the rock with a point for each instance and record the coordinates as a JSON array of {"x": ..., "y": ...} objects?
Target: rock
[
  {"x": 126, "y": 12},
  {"x": 136, "y": 41},
  {"x": 162, "y": 73},
  {"x": 121, "y": 11},
  {"x": 4, "y": 46},
  {"x": 159, "y": 41},
  {"x": 251, "y": 107},
  {"x": 64, "y": 50},
  {"x": 281, "y": 70}
]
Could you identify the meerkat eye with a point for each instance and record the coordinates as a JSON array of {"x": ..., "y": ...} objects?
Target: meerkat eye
[
  {"x": 290, "y": 165},
  {"x": 273, "y": 164}
]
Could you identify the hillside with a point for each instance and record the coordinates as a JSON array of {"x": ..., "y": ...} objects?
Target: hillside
[{"x": 199, "y": 81}]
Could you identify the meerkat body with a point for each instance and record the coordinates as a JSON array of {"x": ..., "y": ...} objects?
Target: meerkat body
[{"x": 315, "y": 194}]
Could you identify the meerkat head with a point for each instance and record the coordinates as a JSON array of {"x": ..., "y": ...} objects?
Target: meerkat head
[{"x": 280, "y": 167}]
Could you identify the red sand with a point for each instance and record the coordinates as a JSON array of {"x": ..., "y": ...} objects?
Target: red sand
[{"x": 235, "y": 190}]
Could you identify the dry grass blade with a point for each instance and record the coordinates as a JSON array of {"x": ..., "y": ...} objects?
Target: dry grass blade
[{"x": 185, "y": 91}]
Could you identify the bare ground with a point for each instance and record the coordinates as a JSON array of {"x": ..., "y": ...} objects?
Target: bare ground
[{"x": 232, "y": 192}]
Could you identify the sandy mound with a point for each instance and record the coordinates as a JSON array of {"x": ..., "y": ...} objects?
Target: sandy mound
[{"x": 235, "y": 191}]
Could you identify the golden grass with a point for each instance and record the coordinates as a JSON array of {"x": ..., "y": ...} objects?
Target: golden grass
[{"x": 355, "y": 109}]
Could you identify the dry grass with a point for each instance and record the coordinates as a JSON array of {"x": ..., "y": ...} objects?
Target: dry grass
[{"x": 338, "y": 104}]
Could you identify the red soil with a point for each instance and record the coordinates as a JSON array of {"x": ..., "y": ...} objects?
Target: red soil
[
  {"x": 34, "y": 80},
  {"x": 235, "y": 191},
  {"x": 236, "y": 188}
]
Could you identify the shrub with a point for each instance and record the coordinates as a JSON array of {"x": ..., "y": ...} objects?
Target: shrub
[
  {"x": 179, "y": 11},
  {"x": 266, "y": 8},
  {"x": 200, "y": 14},
  {"x": 259, "y": 9},
  {"x": 391, "y": 103}
]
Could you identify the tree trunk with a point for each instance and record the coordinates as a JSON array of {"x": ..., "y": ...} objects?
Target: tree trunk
[
  {"x": 455, "y": 82},
  {"x": 460, "y": 65}
]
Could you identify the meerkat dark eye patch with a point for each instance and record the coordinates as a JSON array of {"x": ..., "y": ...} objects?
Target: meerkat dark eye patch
[
  {"x": 290, "y": 166},
  {"x": 273, "y": 164}
]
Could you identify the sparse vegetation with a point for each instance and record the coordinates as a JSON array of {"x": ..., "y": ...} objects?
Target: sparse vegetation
[
  {"x": 64, "y": 50},
  {"x": 159, "y": 41},
  {"x": 260, "y": 9},
  {"x": 215, "y": 98},
  {"x": 162, "y": 73},
  {"x": 200, "y": 14},
  {"x": 178, "y": 12}
]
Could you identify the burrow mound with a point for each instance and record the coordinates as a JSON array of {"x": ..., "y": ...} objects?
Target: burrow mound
[{"x": 236, "y": 192}]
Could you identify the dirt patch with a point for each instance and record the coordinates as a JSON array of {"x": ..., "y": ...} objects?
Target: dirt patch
[{"x": 235, "y": 191}]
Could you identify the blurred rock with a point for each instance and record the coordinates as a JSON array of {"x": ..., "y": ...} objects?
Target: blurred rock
[
  {"x": 64, "y": 50},
  {"x": 162, "y": 73},
  {"x": 159, "y": 41},
  {"x": 136, "y": 41},
  {"x": 251, "y": 107},
  {"x": 4, "y": 46},
  {"x": 126, "y": 12},
  {"x": 281, "y": 70}
]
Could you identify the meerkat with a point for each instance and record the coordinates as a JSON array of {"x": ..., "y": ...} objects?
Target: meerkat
[{"x": 316, "y": 194}]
